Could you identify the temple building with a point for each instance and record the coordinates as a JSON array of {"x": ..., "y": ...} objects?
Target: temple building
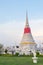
[{"x": 27, "y": 44}]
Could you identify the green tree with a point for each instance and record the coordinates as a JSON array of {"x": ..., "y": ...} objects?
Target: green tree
[
  {"x": 6, "y": 51},
  {"x": 1, "y": 48}
]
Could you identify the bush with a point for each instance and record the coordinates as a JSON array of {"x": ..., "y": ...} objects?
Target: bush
[
  {"x": 37, "y": 54},
  {"x": 16, "y": 54},
  {"x": 6, "y": 55}
]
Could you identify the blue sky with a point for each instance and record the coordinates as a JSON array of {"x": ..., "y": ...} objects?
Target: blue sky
[
  {"x": 13, "y": 14},
  {"x": 16, "y": 9}
]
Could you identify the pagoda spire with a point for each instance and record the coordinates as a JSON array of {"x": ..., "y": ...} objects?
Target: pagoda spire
[
  {"x": 27, "y": 24},
  {"x": 27, "y": 28}
]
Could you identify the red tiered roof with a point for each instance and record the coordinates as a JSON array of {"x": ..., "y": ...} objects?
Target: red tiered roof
[{"x": 27, "y": 30}]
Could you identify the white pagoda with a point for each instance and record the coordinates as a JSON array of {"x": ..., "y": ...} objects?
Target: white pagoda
[{"x": 27, "y": 44}]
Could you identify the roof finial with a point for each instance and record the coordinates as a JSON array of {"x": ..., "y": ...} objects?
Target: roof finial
[{"x": 27, "y": 19}]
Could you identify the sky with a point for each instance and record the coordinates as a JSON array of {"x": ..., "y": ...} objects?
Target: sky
[{"x": 13, "y": 18}]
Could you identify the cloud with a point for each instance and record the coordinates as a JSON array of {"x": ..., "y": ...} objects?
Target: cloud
[
  {"x": 37, "y": 27},
  {"x": 12, "y": 32}
]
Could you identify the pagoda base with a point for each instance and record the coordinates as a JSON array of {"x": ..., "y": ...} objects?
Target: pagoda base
[{"x": 26, "y": 49}]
